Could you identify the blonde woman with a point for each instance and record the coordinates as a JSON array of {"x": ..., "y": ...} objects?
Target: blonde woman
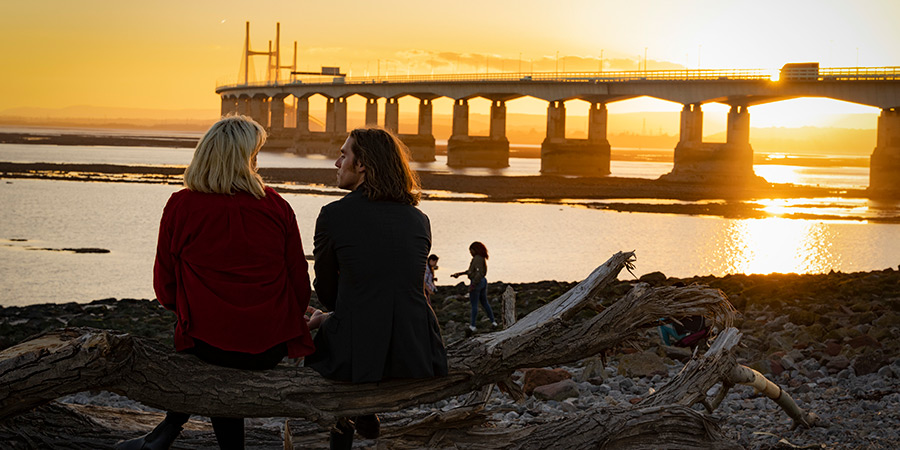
[{"x": 229, "y": 263}]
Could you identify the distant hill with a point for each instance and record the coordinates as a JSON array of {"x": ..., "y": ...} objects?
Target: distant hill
[{"x": 103, "y": 117}]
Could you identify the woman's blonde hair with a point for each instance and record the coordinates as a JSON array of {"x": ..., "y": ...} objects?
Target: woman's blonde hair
[{"x": 223, "y": 161}]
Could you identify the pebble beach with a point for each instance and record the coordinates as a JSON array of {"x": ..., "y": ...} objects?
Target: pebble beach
[{"x": 831, "y": 341}]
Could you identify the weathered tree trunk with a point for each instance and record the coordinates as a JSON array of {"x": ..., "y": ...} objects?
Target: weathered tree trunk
[
  {"x": 508, "y": 307},
  {"x": 74, "y": 360}
]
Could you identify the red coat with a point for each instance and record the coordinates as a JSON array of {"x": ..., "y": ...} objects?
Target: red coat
[{"x": 233, "y": 269}]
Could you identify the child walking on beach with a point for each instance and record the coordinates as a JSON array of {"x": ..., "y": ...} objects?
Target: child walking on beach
[
  {"x": 477, "y": 283},
  {"x": 430, "y": 267}
]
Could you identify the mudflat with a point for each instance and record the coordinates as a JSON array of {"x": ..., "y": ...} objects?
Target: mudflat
[{"x": 488, "y": 187}]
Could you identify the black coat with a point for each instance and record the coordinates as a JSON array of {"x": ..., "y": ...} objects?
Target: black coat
[{"x": 370, "y": 270}]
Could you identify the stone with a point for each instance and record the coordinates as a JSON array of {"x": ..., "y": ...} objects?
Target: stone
[
  {"x": 867, "y": 363},
  {"x": 593, "y": 368},
  {"x": 837, "y": 363},
  {"x": 809, "y": 365},
  {"x": 643, "y": 364},
  {"x": 761, "y": 365},
  {"x": 832, "y": 348},
  {"x": 888, "y": 320},
  {"x": 653, "y": 278},
  {"x": 803, "y": 317},
  {"x": 558, "y": 391},
  {"x": 677, "y": 353},
  {"x": 863, "y": 341},
  {"x": 795, "y": 355},
  {"x": 776, "y": 367},
  {"x": 541, "y": 377},
  {"x": 568, "y": 405}
]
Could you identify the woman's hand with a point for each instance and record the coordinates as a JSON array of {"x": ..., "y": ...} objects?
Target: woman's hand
[{"x": 316, "y": 317}]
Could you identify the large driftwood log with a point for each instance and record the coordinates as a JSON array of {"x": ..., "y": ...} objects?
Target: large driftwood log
[
  {"x": 75, "y": 360},
  {"x": 642, "y": 427}
]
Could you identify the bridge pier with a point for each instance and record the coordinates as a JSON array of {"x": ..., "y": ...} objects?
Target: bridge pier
[
  {"x": 460, "y": 118},
  {"x": 243, "y": 105},
  {"x": 302, "y": 116},
  {"x": 229, "y": 105},
  {"x": 371, "y": 112},
  {"x": 259, "y": 109},
  {"x": 276, "y": 111},
  {"x": 337, "y": 118},
  {"x": 884, "y": 165},
  {"x": 392, "y": 114},
  {"x": 584, "y": 157},
  {"x": 421, "y": 145},
  {"x": 702, "y": 162},
  {"x": 280, "y": 138},
  {"x": 478, "y": 151},
  {"x": 326, "y": 142}
]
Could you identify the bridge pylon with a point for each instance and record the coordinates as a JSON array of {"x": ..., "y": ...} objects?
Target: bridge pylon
[
  {"x": 582, "y": 157},
  {"x": 707, "y": 162},
  {"x": 478, "y": 151},
  {"x": 884, "y": 169}
]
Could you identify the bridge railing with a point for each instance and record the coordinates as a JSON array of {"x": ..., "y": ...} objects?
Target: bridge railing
[
  {"x": 824, "y": 74},
  {"x": 859, "y": 73},
  {"x": 585, "y": 77}
]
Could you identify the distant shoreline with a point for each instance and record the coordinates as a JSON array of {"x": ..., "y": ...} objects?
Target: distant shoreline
[
  {"x": 519, "y": 151},
  {"x": 83, "y": 139}
]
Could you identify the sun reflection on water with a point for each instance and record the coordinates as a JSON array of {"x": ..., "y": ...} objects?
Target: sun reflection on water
[{"x": 778, "y": 245}]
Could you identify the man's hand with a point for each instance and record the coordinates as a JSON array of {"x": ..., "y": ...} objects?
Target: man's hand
[{"x": 315, "y": 317}]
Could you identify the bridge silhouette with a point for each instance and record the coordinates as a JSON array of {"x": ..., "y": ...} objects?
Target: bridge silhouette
[{"x": 694, "y": 160}]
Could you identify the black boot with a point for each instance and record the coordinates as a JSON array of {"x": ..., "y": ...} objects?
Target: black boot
[
  {"x": 161, "y": 438},
  {"x": 341, "y": 435},
  {"x": 368, "y": 426}
]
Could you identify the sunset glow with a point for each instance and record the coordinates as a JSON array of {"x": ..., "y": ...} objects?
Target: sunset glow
[
  {"x": 170, "y": 55},
  {"x": 777, "y": 245}
]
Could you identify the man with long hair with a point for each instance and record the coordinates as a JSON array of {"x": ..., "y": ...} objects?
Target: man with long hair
[{"x": 370, "y": 251}]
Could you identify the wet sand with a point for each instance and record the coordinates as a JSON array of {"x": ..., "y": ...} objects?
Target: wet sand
[{"x": 488, "y": 187}]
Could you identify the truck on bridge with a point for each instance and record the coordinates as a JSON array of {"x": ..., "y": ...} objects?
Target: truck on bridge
[{"x": 808, "y": 71}]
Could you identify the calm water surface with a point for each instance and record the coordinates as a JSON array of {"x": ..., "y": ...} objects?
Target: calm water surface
[{"x": 527, "y": 242}]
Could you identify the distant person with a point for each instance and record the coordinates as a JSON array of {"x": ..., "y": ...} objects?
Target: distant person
[
  {"x": 430, "y": 267},
  {"x": 688, "y": 332},
  {"x": 477, "y": 272},
  {"x": 370, "y": 251},
  {"x": 229, "y": 263}
]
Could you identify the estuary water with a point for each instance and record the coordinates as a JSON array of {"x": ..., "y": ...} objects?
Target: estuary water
[{"x": 527, "y": 241}]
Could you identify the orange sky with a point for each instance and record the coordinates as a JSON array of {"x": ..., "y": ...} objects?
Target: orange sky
[{"x": 171, "y": 54}]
